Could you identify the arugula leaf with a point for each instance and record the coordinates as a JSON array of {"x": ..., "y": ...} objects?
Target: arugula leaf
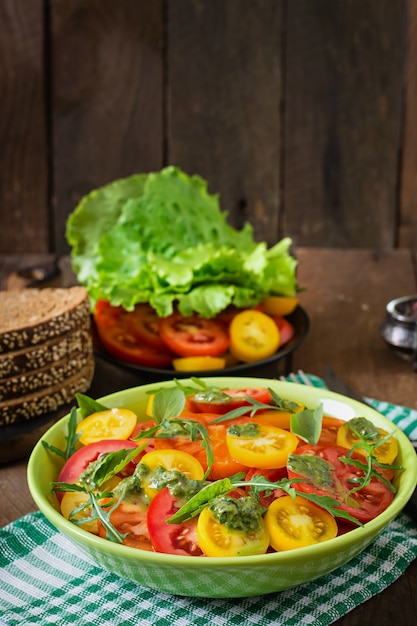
[{"x": 71, "y": 438}]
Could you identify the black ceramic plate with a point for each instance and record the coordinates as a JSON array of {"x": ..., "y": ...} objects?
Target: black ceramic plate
[{"x": 298, "y": 319}]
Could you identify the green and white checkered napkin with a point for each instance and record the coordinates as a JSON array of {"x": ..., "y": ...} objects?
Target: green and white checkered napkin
[{"x": 45, "y": 579}]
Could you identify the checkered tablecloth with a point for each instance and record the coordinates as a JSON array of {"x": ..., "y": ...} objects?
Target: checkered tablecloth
[{"x": 44, "y": 580}]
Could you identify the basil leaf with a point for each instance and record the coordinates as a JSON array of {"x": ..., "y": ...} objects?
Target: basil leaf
[
  {"x": 88, "y": 406},
  {"x": 307, "y": 424},
  {"x": 112, "y": 463},
  {"x": 168, "y": 403}
]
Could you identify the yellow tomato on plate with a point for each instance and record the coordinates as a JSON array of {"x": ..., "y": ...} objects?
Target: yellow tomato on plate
[{"x": 253, "y": 336}]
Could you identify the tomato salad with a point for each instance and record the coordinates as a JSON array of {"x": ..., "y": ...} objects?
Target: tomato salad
[
  {"x": 195, "y": 343},
  {"x": 221, "y": 472}
]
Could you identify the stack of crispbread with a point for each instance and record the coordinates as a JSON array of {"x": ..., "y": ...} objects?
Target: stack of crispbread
[{"x": 46, "y": 353}]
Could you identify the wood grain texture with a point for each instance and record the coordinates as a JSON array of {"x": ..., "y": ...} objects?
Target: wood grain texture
[
  {"x": 107, "y": 96},
  {"x": 23, "y": 139},
  {"x": 223, "y": 110},
  {"x": 346, "y": 292},
  {"x": 342, "y": 121},
  {"x": 407, "y": 228}
]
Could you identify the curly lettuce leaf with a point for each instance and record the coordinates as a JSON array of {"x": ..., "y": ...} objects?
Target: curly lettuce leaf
[{"x": 162, "y": 238}]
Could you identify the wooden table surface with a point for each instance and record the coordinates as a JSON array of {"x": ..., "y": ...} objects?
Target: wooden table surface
[{"x": 345, "y": 295}]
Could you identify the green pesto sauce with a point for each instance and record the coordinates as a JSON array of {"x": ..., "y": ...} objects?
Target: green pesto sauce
[
  {"x": 86, "y": 478},
  {"x": 179, "y": 485},
  {"x": 250, "y": 430},
  {"x": 363, "y": 428},
  {"x": 317, "y": 470},
  {"x": 237, "y": 513},
  {"x": 212, "y": 395}
]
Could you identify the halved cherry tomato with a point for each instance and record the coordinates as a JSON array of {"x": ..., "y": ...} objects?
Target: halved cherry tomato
[
  {"x": 325, "y": 474},
  {"x": 260, "y": 445},
  {"x": 217, "y": 539},
  {"x": 272, "y": 475},
  {"x": 171, "y": 538},
  {"x": 113, "y": 331},
  {"x": 110, "y": 424},
  {"x": 80, "y": 460},
  {"x": 194, "y": 335},
  {"x": 294, "y": 523},
  {"x": 169, "y": 459},
  {"x": 72, "y": 500},
  {"x": 253, "y": 336},
  {"x": 349, "y": 434},
  {"x": 198, "y": 363},
  {"x": 223, "y": 465},
  {"x": 279, "y": 306},
  {"x": 280, "y": 418},
  {"x": 143, "y": 323},
  {"x": 286, "y": 330},
  {"x": 130, "y": 517},
  {"x": 222, "y": 401},
  {"x": 329, "y": 428}
]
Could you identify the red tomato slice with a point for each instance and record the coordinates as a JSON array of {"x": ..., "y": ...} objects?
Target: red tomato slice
[
  {"x": 364, "y": 505},
  {"x": 273, "y": 475},
  {"x": 225, "y": 400},
  {"x": 171, "y": 538},
  {"x": 194, "y": 336},
  {"x": 79, "y": 461},
  {"x": 116, "y": 337},
  {"x": 131, "y": 518},
  {"x": 223, "y": 465},
  {"x": 286, "y": 330},
  {"x": 143, "y": 323}
]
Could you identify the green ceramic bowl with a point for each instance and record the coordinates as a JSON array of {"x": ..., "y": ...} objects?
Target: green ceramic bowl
[{"x": 223, "y": 577}]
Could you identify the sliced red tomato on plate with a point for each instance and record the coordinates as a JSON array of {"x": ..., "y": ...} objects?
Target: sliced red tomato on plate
[
  {"x": 171, "y": 538},
  {"x": 286, "y": 330},
  {"x": 325, "y": 474},
  {"x": 80, "y": 460},
  {"x": 194, "y": 336},
  {"x": 112, "y": 325},
  {"x": 143, "y": 323},
  {"x": 222, "y": 401}
]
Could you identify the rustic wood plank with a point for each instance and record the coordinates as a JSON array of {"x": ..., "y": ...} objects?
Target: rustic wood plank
[
  {"x": 342, "y": 121},
  {"x": 23, "y": 138},
  {"x": 408, "y": 196},
  {"x": 224, "y": 73},
  {"x": 346, "y": 292},
  {"x": 107, "y": 80}
]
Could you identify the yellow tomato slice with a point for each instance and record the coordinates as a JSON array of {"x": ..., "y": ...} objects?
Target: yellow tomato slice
[
  {"x": 279, "y": 306},
  {"x": 216, "y": 539},
  {"x": 260, "y": 445},
  {"x": 294, "y": 523},
  {"x": 169, "y": 459},
  {"x": 253, "y": 336},
  {"x": 109, "y": 424},
  {"x": 197, "y": 363},
  {"x": 385, "y": 452},
  {"x": 279, "y": 418},
  {"x": 72, "y": 500}
]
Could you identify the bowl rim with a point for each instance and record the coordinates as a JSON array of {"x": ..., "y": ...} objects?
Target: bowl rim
[{"x": 306, "y": 553}]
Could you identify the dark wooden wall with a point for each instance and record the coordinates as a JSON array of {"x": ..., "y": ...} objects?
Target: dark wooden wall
[{"x": 301, "y": 114}]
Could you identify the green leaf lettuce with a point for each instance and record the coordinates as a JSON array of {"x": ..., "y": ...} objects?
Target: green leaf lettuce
[{"x": 162, "y": 238}]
